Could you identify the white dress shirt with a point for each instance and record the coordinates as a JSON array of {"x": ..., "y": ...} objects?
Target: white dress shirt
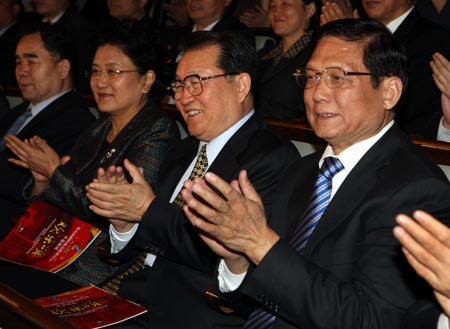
[{"x": 394, "y": 24}]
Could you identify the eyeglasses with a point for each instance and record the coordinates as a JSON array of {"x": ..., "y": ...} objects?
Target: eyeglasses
[
  {"x": 110, "y": 73},
  {"x": 333, "y": 77},
  {"x": 193, "y": 84}
]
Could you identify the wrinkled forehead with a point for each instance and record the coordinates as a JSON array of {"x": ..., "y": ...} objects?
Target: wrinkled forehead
[{"x": 335, "y": 52}]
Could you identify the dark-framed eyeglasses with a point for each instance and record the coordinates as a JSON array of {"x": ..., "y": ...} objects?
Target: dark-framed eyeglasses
[
  {"x": 333, "y": 77},
  {"x": 193, "y": 84},
  {"x": 109, "y": 73}
]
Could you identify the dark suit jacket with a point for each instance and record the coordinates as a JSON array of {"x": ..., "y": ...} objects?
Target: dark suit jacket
[
  {"x": 352, "y": 273},
  {"x": 232, "y": 24},
  {"x": 8, "y": 42},
  {"x": 85, "y": 43},
  {"x": 278, "y": 95},
  {"x": 59, "y": 124},
  {"x": 422, "y": 315},
  {"x": 145, "y": 140},
  {"x": 174, "y": 288},
  {"x": 420, "y": 111}
]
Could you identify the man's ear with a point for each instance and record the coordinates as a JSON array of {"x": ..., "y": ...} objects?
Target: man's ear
[
  {"x": 63, "y": 68},
  {"x": 227, "y": 2},
  {"x": 392, "y": 91},
  {"x": 149, "y": 80},
  {"x": 244, "y": 83}
]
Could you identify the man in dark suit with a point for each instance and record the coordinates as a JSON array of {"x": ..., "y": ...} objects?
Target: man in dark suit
[
  {"x": 58, "y": 114},
  {"x": 419, "y": 110},
  {"x": 212, "y": 91},
  {"x": 327, "y": 257},
  {"x": 419, "y": 113}
]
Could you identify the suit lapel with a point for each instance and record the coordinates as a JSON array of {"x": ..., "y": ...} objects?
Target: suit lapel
[
  {"x": 356, "y": 186},
  {"x": 8, "y": 120},
  {"x": 46, "y": 114},
  {"x": 174, "y": 166},
  {"x": 226, "y": 164},
  {"x": 405, "y": 31}
]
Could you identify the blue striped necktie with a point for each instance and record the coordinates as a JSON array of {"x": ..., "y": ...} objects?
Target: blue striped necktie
[{"x": 317, "y": 205}]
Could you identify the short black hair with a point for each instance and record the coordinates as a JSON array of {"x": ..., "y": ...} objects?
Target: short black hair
[
  {"x": 140, "y": 48},
  {"x": 56, "y": 40},
  {"x": 236, "y": 53},
  {"x": 383, "y": 55}
]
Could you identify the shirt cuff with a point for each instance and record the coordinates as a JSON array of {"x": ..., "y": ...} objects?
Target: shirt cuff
[
  {"x": 443, "y": 322},
  {"x": 120, "y": 240},
  {"x": 228, "y": 281},
  {"x": 443, "y": 133}
]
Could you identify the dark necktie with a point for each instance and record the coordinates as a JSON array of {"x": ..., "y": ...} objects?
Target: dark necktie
[
  {"x": 199, "y": 170},
  {"x": 318, "y": 203},
  {"x": 14, "y": 129}
]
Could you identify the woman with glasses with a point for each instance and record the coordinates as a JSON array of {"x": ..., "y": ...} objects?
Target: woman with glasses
[
  {"x": 277, "y": 94},
  {"x": 130, "y": 127}
]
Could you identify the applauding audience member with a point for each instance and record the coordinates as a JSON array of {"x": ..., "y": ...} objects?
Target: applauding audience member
[
  {"x": 213, "y": 92},
  {"x": 131, "y": 126},
  {"x": 53, "y": 110},
  {"x": 325, "y": 256}
]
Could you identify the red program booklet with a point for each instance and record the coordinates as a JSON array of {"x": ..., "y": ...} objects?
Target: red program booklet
[
  {"x": 47, "y": 238},
  {"x": 90, "y": 307}
]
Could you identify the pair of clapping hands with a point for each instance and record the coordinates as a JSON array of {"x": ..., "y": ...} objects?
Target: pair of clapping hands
[
  {"x": 230, "y": 216},
  {"x": 35, "y": 154}
]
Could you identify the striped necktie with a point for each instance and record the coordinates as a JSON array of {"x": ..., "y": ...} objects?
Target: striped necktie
[{"x": 318, "y": 203}]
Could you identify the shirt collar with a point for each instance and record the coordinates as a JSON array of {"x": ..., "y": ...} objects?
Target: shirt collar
[
  {"x": 54, "y": 20},
  {"x": 394, "y": 24},
  {"x": 352, "y": 154},
  {"x": 207, "y": 28},
  {"x": 38, "y": 107},
  {"x": 215, "y": 145},
  {"x": 6, "y": 28}
]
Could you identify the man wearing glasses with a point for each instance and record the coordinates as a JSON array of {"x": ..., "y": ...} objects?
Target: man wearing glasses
[
  {"x": 326, "y": 257},
  {"x": 213, "y": 93}
]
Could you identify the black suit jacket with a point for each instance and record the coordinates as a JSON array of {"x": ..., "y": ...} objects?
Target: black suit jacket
[
  {"x": 59, "y": 124},
  {"x": 8, "y": 42},
  {"x": 85, "y": 42},
  {"x": 174, "y": 288},
  {"x": 420, "y": 108},
  {"x": 352, "y": 273},
  {"x": 424, "y": 314},
  {"x": 278, "y": 95}
]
